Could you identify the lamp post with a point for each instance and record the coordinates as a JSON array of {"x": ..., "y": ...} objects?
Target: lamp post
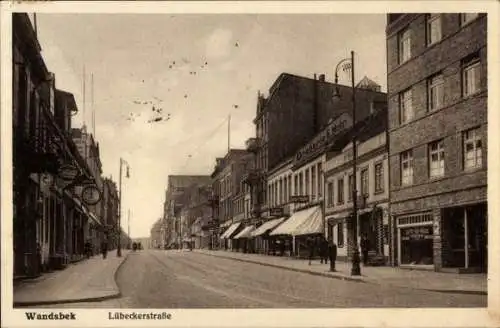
[
  {"x": 349, "y": 63},
  {"x": 119, "y": 246}
]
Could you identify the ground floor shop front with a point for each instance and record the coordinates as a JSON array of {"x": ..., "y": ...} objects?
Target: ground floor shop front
[{"x": 445, "y": 239}]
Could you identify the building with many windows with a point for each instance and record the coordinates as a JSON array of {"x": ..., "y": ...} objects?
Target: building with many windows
[
  {"x": 372, "y": 171},
  {"x": 437, "y": 93}
]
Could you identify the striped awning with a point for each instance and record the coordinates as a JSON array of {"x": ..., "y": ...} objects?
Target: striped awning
[
  {"x": 230, "y": 230},
  {"x": 245, "y": 233},
  {"x": 266, "y": 226},
  {"x": 301, "y": 223}
]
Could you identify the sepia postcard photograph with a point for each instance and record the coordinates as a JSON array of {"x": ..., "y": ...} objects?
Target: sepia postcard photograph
[{"x": 250, "y": 164}]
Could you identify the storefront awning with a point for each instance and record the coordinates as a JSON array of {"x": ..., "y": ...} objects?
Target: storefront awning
[
  {"x": 245, "y": 233},
  {"x": 298, "y": 220},
  {"x": 266, "y": 226},
  {"x": 230, "y": 230},
  {"x": 312, "y": 225},
  {"x": 94, "y": 218}
]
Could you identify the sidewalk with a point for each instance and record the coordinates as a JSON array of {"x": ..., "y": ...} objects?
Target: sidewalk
[
  {"x": 388, "y": 276},
  {"x": 89, "y": 280}
]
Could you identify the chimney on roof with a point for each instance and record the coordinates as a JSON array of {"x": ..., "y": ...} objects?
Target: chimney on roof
[{"x": 322, "y": 78}]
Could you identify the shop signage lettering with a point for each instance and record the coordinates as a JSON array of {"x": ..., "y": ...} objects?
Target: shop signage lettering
[
  {"x": 416, "y": 233},
  {"x": 276, "y": 211},
  {"x": 299, "y": 199},
  {"x": 342, "y": 123}
]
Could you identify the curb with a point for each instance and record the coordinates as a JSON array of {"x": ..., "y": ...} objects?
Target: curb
[
  {"x": 78, "y": 300},
  {"x": 323, "y": 274},
  {"x": 448, "y": 291}
]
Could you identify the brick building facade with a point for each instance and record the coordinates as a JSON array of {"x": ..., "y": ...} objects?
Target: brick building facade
[{"x": 437, "y": 94}]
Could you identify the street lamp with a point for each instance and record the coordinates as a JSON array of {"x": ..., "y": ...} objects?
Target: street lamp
[
  {"x": 348, "y": 63},
  {"x": 119, "y": 246}
]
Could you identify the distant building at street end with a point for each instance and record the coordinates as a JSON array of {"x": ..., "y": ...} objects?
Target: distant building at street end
[
  {"x": 155, "y": 236},
  {"x": 437, "y": 91}
]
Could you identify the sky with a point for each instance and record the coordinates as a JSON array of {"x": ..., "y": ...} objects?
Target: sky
[{"x": 196, "y": 70}]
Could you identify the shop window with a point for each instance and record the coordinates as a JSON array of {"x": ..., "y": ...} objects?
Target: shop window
[
  {"x": 435, "y": 92},
  {"x": 436, "y": 159},
  {"x": 340, "y": 191},
  {"x": 404, "y": 43},
  {"x": 340, "y": 234},
  {"x": 405, "y": 106},
  {"x": 433, "y": 29},
  {"x": 416, "y": 244},
  {"x": 313, "y": 182},
  {"x": 379, "y": 177},
  {"x": 407, "y": 168},
  {"x": 471, "y": 76},
  {"x": 473, "y": 149}
]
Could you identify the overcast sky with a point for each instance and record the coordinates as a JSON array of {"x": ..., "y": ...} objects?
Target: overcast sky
[{"x": 221, "y": 61}]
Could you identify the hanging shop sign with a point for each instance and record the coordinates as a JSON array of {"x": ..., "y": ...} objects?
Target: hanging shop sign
[
  {"x": 91, "y": 194},
  {"x": 324, "y": 138},
  {"x": 68, "y": 172},
  {"x": 46, "y": 182}
]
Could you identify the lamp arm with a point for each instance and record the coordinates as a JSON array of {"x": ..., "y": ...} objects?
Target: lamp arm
[{"x": 340, "y": 63}]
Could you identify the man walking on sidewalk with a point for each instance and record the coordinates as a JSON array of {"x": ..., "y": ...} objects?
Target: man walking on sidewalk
[
  {"x": 104, "y": 249},
  {"x": 365, "y": 246},
  {"x": 323, "y": 246}
]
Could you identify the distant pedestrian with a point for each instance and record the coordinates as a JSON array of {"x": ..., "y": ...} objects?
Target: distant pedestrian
[
  {"x": 88, "y": 249},
  {"x": 104, "y": 249},
  {"x": 311, "y": 244},
  {"x": 323, "y": 250},
  {"x": 332, "y": 254},
  {"x": 365, "y": 246}
]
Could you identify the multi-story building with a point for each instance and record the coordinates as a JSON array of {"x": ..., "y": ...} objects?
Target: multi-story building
[
  {"x": 109, "y": 210},
  {"x": 89, "y": 150},
  {"x": 296, "y": 109},
  {"x": 174, "y": 202},
  {"x": 155, "y": 238},
  {"x": 437, "y": 90},
  {"x": 372, "y": 184},
  {"x": 227, "y": 176},
  {"x": 48, "y": 214}
]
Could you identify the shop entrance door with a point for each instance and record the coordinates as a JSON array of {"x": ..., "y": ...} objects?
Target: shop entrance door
[{"x": 368, "y": 227}]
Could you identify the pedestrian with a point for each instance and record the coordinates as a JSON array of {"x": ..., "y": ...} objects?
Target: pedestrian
[
  {"x": 88, "y": 249},
  {"x": 365, "y": 246},
  {"x": 324, "y": 250},
  {"x": 104, "y": 249},
  {"x": 311, "y": 245},
  {"x": 332, "y": 254}
]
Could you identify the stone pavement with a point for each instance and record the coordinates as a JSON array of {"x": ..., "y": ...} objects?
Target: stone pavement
[
  {"x": 89, "y": 280},
  {"x": 397, "y": 277}
]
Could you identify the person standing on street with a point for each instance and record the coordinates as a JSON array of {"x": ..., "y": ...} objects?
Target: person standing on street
[
  {"x": 104, "y": 249},
  {"x": 332, "y": 254},
  {"x": 365, "y": 246},
  {"x": 323, "y": 250}
]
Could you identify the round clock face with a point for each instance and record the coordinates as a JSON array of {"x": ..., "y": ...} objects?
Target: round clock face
[
  {"x": 68, "y": 172},
  {"x": 91, "y": 195}
]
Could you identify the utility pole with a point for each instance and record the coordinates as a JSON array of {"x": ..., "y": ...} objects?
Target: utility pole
[{"x": 119, "y": 246}]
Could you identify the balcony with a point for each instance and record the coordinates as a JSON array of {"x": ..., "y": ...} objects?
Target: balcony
[{"x": 252, "y": 144}]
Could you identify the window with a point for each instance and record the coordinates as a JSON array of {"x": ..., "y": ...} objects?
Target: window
[
  {"x": 340, "y": 234},
  {"x": 473, "y": 149},
  {"x": 407, "y": 168},
  {"x": 379, "y": 177},
  {"x": 285, "y": 190},
  {"x": 307, "y": 183},
  {"x": 313, "y": 182},
  {"x": 435, "y": 92},
  {"x": 471, "y": 76},
  {"x": 364, "y": 182},
  {"x": 320, "y": 178},
  {"x": 405, "y": 106},
  {"x": 436, "y": 159},
  {"x": 350, "y": 189},
  {"x": 404, "y": 46},
  {"x": 340, "y": 191},
  {"x": 296, "y": 185},
  {"x": 301, "y": 183},
  {"x": 433, "y": 28},
  {"x": 330, "y": 194},
  {"x": 467, "y": 17},
  {"x": 289, "y": 186}
]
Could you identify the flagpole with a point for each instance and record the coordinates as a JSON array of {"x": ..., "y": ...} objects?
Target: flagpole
[{"x": 229, "y": 134}]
